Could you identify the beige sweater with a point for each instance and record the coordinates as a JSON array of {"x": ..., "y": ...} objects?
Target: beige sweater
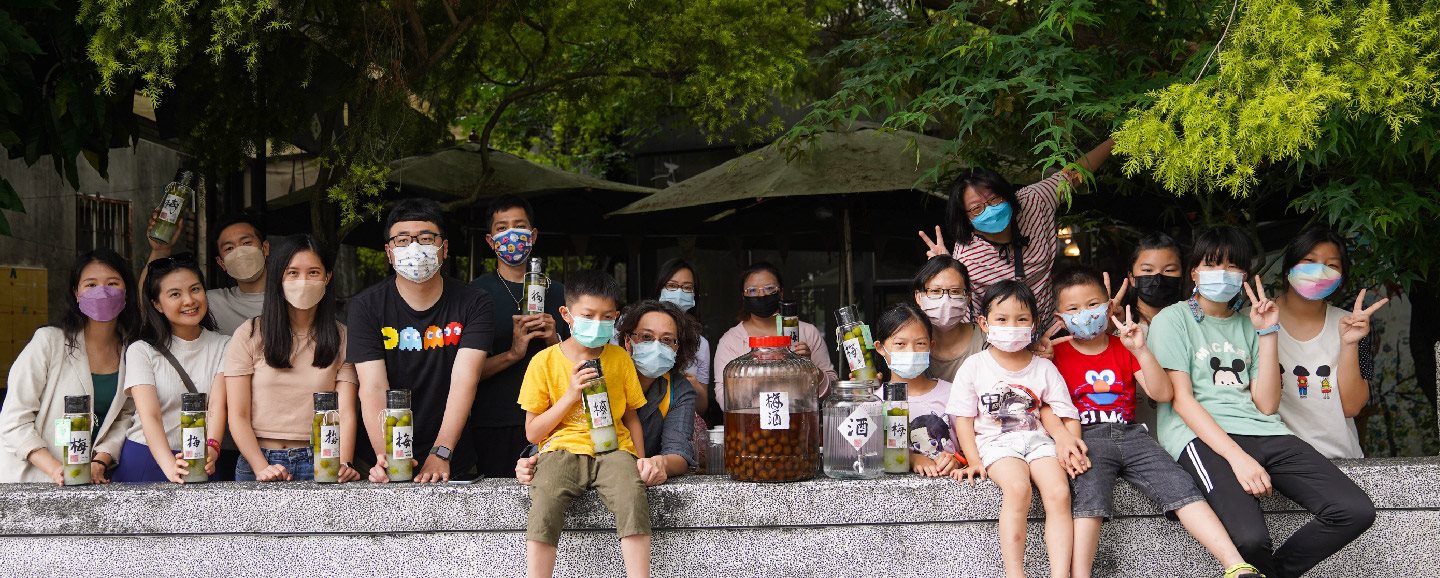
[{"x": 46, "y": 371}]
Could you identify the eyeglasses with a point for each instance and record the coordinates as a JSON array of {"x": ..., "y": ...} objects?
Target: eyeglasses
[
  {"x": 686, "y": 287},
  {"x": 975, "y": 209},
  {"x": 424, "y": 238},
  {"x": 762, "y": 291},
  {"x": 670, "y": 342},
  {"x": 956, "y": 293},
  {"x": 183, "y": 260}
]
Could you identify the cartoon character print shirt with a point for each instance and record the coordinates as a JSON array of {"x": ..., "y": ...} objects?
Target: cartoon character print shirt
[
  {"x": 1219, "y": 355},
  {"x": 930, "y": 430},
  {"x": 1102, "y": 385},
  {"x": 1004, "y": 401},
  {"x": 419, "y": 347},
  {"x": 1310, "y": 400}
]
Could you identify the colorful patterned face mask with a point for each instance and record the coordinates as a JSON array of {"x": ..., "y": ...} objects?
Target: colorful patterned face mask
[
  {"x": 1087, "y": 323},
  {"x": 1314, "y": 281},
  {"x": 513, "y": 245}
]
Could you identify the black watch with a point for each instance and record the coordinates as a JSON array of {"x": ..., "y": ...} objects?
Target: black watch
[{"x": 441, "y": 452}]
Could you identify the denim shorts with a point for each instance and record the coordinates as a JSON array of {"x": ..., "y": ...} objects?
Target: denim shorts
[
  {"x": 300, "y": 462},
  {"x": 1119, "y": 450}
]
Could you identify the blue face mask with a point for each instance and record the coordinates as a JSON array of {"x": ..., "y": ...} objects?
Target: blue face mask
[
  {"x": 652, "y": 358},
  {"x": 590, "y": 332},
  {"x": 1087, "y": 323},
  {"x": 909, "y": 364},
  {"x": 993, "y": 219},
  {"x": 685, "y": 301},
  {"x": 1219, "y": 285}
]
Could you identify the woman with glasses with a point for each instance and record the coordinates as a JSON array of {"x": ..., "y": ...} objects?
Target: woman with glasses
[
  {"x": 675, "y": 284},
  {"x": 761, "y": 290},
  {"x": 942, "y": 291},
  {"x": 179, "y": 352}
]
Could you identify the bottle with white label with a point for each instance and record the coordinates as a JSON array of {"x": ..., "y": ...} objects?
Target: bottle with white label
[
  {"x": 598, "y": 412},
  {"x": 535, "y": 285},
  {"x": 897, "y": 429},
  {"x": 177, "y": 198},
  {"x": 76, "y": 441},
  {"x": 399, "y": 436},
  {"x": 853, "y": 338},
  {"x": 325, "y": 437},
  {"x": 194, "y": 448},
  {"x": 789, "y": 321},
  {"x": 854, "y": 426}
]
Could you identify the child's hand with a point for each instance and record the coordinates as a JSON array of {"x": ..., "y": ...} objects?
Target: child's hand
[
  {"x": 1070, "y": 451},
  {"x": 1263, "y": 312},
  {"x": 1119, "y": 297},
  {"x": 1252, "y": 477},
  {"x": 579, "y": 376},
  {"x": 1132, "y": 334},
  {"x": 972, "y": 472},
  {"x": 947, "y": 463}
]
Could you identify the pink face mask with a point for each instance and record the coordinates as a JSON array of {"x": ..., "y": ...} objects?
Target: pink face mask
[
  {"x": 944, "y": 312},
  {"x": 102, "y": 303}
]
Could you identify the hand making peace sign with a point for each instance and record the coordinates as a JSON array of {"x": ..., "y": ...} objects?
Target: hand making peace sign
[
  {"x": 1263, "y": 312},
  {"x": 1356, "y": 325},
  {"x": 1132, "y": 334},
  {"x": 936, "y": 246}
]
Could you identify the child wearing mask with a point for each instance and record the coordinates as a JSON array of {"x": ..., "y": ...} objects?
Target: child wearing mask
[{"x": 902, "y": 336}]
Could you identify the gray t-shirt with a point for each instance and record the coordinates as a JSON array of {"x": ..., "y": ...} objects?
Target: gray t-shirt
[{"x": 233, "y": 307}]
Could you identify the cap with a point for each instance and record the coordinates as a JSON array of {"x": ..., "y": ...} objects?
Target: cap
[
  {"x": 193, "y": 402},
  {"x": 847, "y": 315},
  {"x": 594, "y": 364},
  {"x": 895, "y": 391},
  {"x": 77, "y": 404},
  {"x": 789, "y": 308},
  {"x": 397, "y": 399},
  {"x": 536, "y": 264},
  {"x": 327, "y": 401},
  {"x": 770, "y": 341}
]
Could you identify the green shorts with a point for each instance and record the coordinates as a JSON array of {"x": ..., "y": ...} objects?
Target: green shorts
[{"x": 561, "y": 476}]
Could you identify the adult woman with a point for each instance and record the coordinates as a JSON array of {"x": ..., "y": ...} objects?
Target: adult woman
[
  {"x": 179, "y": 351},
  {"x": 675, "y": 284},
  {"x": 83, "y": 354},
  {"x": 276, "y": 363},
  {"x": 942, "y": 291},
  {"x": 1154, "y": 275},
  {"x": 1324, "y": 350},
  {"x": 903, "y": 336},
  {"x": 761, "y": 289}
]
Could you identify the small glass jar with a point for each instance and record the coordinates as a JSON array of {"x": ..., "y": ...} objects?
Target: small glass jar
[
  {"x": 399, "y": 436},
  {"x": 853, "y": 338},
  {"x": 325, "y": 437},
  {"x": 194, "y": 441},
  {"x": 77, "y": 444},
  {"x": 715, "y": 462},
  {"x": 597, "y": 412},
  {"x": 853, "y": 437},
  {"x": 897, "y": 429}
]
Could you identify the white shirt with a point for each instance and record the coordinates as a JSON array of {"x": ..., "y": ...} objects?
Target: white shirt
[
  {"x": 1316, "y": 415},
  {"x": 232, "y": 307},
  {"x": 202, "y": 359},
  {"x": 1004, "y": 401}
]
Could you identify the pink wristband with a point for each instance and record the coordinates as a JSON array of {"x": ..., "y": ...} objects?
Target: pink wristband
[{"x": 213, "y": 443}]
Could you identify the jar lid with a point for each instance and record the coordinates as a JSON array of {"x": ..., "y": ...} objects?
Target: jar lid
[
  {"x": 594, "y": 364},
  {"x": 895, "y": 391},
  {"x": 77, "y": 404},
  {"x": 862, "y": 384},
  {"x": 770, "y": 341},
  {"x": 397, "y": 399},
  {"x": 327, "y": 401},
  {"x": 789, "y": 308},
  {"x": 193, "y": 402},
  {"x": 847, "y": 315}
]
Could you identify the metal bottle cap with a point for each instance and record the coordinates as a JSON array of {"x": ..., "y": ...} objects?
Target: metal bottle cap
[
  {"x": 895, "y": 391},
  {"x": 397, "y": 399},
  {"x": 193, "y": 402},
  {"x": 327, "y": 401},
  {"x": 77, "y": 404}
]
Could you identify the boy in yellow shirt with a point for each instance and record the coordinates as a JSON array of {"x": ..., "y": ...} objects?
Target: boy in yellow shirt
[{"x": 559, "y": 417}]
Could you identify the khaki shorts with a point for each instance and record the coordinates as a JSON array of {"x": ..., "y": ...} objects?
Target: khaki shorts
[{"x": 561, "y": 476}]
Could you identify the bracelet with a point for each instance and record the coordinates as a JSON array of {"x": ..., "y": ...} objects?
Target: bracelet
[
  {"x": 1268, "y": 330},
  {"x": 350, "y": 465},
  {"x": 213, "y": 443}
]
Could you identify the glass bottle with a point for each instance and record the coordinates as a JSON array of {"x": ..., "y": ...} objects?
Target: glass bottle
[
  {"x": 399, "y": 436},
  {"x": 194, "y": 447},
  {"x": 853, "y": 442},
  {"x": 76, "y": 441},
  {"x": 325, "y": 437},
  {"x": 598, "y": 412},
  {"x": 789, "y": 321},
  {"x": 535, "y": 285},
  {"x": 853, "y": 338},
  {"x": 715, "y": 463},
  {"x": 772, "y": 418},
  {"x": 897, "y": 429},
  {"x": 177, "y": 198}
]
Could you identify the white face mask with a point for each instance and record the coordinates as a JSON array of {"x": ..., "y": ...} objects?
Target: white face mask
[
  {"x": 416, "y": 262},
  {"x": 1009, "y": 339},
  {"x": 245, "y": 263},
  {"x": 944, "y": 312},
  {"x": 909, "y": 364}
]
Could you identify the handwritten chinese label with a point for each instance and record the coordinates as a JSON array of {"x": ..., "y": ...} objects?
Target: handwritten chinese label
[
  {"x": 170, "y": 208},
  {"x": 192, "y": 443},
  {"x": 859, "y": 426},
  {"x": 854, "y": 354},
  {"x": 535, "y": 299},
  {"x": 78, "y": 450},
  {"x": 329, "y": 441},
  {"x": 599, "y": 404},
  {"x": 403, "y": 441},
  {"x": 774, "y": 410},
  {"x": 897, "y": 432}
]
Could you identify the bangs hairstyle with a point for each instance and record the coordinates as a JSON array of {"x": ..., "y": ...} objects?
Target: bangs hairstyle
[
  {"x": 957, "y": 218},
  {"x": 504, "y": 203},
  {"x": 891, "y": 321},
  {"x": 1075, "y": 276},
  {"x": 1010, "y": 289},
  {"x": 687, "y": 330},
  {"x": 1152, "y": 242},
  {"x": 415, "y": 209},
  {"x": 668, "y": 270},
  {"x": 154, "y": 326},
  {"x": 1221, "y": 245},
  {"x": 1305, "y": 242},
  {"x": 127, "y": 325},
  {"x": 935, "y": 266},
  {"x": 274, "y": 322},
  {"x": 591, "y": 283}
]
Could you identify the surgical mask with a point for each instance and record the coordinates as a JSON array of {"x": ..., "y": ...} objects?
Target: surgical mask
[
  {"x": 1087, "y": 323},
  {"x": 909, "y": 364},
  {"x": 944, "y": 312},
  {"x": 685, "y": 301},
  {"x": 245, "y": 263},
  {"x": 1314, "y": 281},
  {"x": 1009, "y": 339},
  {"x": 993, "y": 219},
  {"x": 652, "y": 358},
  {"x": 415, "y": 262},
  {"x": 303, "y": 294},
  {"x": 1219, "y": 285},
  {"x": 763, "y": 306},
  {"x": 513, "y": 245},
  {"x": 1157, "y": 290},
  {"x": 592, "y": 333},
  {"x": 102, "y": 303}
]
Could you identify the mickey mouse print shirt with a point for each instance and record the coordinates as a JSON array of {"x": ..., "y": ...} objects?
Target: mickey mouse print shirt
[
  {"x": 1219, "y": 354},
  {"x": 1101, "y": 385}
]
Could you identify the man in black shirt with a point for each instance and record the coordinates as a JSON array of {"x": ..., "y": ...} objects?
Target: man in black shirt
[
  {"x": 496, "y": 421},
  {"x": 424, "y": 332}
]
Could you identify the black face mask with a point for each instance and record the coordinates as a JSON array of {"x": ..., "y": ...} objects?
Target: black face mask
[
  {"x": 1158, "y": 290},
  {"x": 764, "y": 306}
]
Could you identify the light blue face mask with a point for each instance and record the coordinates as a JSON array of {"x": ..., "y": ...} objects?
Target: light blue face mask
[
  {"x": 685, "y": 301},
  {"x": 652, "y": 358},
  {"x": 993, "y": 219},
  {"x": 590, "y": 332},
  {"x": 909, "y": 364},
  {"x": 1219, "y": 285},
  {"x": 1087, "y": 323}
]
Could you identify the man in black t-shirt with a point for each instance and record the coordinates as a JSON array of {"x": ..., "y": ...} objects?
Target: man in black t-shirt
[
  {"x": 496, "y": 421},
  {"x": 424, "y": 332}
]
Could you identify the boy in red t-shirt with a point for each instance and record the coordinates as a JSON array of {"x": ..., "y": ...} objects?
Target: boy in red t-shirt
[{"x": 1101, "y": 371}]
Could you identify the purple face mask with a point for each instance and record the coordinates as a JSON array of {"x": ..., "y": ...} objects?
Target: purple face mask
[{"x": 103, "y": 303}]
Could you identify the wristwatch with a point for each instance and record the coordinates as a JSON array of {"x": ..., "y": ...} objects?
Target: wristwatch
[{"x": 441, "y": 452}]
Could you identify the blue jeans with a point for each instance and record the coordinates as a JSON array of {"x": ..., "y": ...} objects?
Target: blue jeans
[{"x": 300, "y": 462}]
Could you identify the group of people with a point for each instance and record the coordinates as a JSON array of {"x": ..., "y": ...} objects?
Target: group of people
[{"x": 1015, "y": 372}]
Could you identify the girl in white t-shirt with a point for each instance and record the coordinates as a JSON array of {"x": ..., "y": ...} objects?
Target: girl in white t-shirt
[
  {"x": 903, "y": 335},
  {"x": 1004, "y": 402},
  {"x": 1324, "y": 350}
]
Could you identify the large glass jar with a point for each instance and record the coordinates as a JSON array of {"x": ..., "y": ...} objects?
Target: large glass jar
[
  {"x": 194, "y": 439},
  {"x": 854, "y": 432},
  {"x": 772, "y": 417},
  {"x": 77, "y": 441}
]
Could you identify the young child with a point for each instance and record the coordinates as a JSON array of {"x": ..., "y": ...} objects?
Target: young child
[
  {"x": 1101, "y": 371},
  {"x": 996, "y": 405},
  {"x": 556, "y": 420},
  {"x": 903, "y": 338}
]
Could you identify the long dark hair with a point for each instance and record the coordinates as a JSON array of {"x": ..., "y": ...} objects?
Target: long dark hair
[
  {"x": 687, "y": 330},
  {"x": 274, "y": 321},
  {"x": 668, "y": 270},
  {"x": 957, "y": 217},
  {"x": 73, "y": 321},
  {"x": 758, "y": 267},
  {"x": 1306, "y": 242},
  {"x": 154, "y": 326}
]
